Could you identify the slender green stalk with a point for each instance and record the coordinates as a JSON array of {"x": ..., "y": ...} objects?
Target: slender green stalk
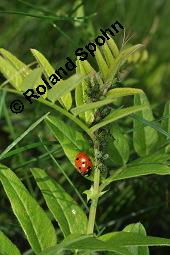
[
  {"x": 93, "y": 207},
  {"x": 68, "y": 114},
  {"x": 59, "y": 109}
]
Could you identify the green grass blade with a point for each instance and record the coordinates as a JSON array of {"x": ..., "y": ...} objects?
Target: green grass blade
[
  {"x": 50, "y": 17},
  {"x": 23, "y": 135}
]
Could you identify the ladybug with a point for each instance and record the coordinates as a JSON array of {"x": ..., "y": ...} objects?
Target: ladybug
[{"x": 83, "y": 164}]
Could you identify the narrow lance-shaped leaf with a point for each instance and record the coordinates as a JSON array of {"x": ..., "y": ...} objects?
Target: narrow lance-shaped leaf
[
  {"x": 7, "y": 247},
  {"x": 144, "y": 138},
  {"x": 111, "y": 95},
  {"x": 71, "y": 140},
  {"x": 103, "y": 67},
  {"x": 138, "y": 170},
  {"x": 108, "y": 54},
  {"x": 18, "y": 64},
  {"x": 118, "y": 144},
  {"x": 32, "y": 79},
  {"x": 66, "y": 100},
  {"x": 166, "y": 121},
  {"x": 10, "y": 73},
  {"x": 79, "y": 92},
  {"x": 119, "y": 61},
  {"x": 34, "y": 221},
  {"x": 85, "y": 243},
  {"x": 117, "y": 114},
  {"x": 139, "y": 229},
  {"x": 84, "y": 68},
  {"x": 130, "y": 239},
  {"x": 113, "y": 47},
  {"x": 61, "y": 89},
  {"x": 67, "y": 213},
  {"x": 117, "y": 242}
]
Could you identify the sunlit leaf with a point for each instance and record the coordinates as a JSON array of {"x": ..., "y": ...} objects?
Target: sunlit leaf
[
  {"x": 67, "y": 213},
  {"x": 10, "y": 73},
  {"x": 120, "y": 60},
  {"x": 117, "y": 114},
  {"x": 71, "y": 140},
  {"x": 18, "y": 64},
  {"x": 66, "y": 100},
  {"x": 34, "y": 221},
  {"x": 138, "y": 170},
  {"x": 139, "y": 229},
  {"x": 7, "y": 247},
  {"x": 111, "y": 95}
]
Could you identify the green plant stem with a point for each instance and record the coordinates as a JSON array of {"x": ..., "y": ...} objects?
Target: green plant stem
[
  {"x": 93, "y": 207},
  {"x": 59, "y": 109}
]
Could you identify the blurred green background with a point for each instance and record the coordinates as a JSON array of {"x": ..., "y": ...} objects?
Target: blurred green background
[{"x": 145, "y": 199}]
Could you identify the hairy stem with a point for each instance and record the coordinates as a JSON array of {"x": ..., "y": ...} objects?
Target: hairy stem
[{"x": 93, "y": 207}]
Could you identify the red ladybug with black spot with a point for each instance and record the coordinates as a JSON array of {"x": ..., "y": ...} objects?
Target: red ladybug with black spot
[{"x": 83, "y": 164}]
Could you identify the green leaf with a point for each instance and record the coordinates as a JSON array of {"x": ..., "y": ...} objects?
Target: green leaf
[
  {"x": 138, "y": 170},
  {"x": 117, "y": 114},
  {"x": 120, "y": 59},
  {"x": 111, "y": 95},
  {"x": 165, "y": 124},
  {"x": 34, "y": 221},
  {"x": 157, "y": 157},
  {"x": 32, "y": 80},
  {"x": 71, "y": 140},
  {"x": 151, "y": 124},
  {"x": 103, "y": 67},
  {"x": 120, "y": 143},
  {"x": 43, "y": 62},
  {"x": 10, "y": 73},
  {"x": 7, "y": 247},
  {"x": 113, "y": 47},
  {"x": 84, "y": 68},
  {"x": 63, "y": 87},
  {"x": 67, "y": 213},
  {"x": 85, "y": 243},
  {"x": 90, "y": 106},
  {"x": 129, "y": 239},
  {"x": 66, "y": 100},
  {"x": 145, "y": 138},
  {"x": 139, "y": 229},
  {"x": 117, "y": 242},
  {"x": 108, "y": 54},
  {"x": 19, "y": 65},
  {"x": 121, "y": 92},
  {"x": 79, "y": 91}
]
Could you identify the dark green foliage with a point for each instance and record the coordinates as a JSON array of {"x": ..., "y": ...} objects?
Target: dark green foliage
[{"x": 116, "y": 108}]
